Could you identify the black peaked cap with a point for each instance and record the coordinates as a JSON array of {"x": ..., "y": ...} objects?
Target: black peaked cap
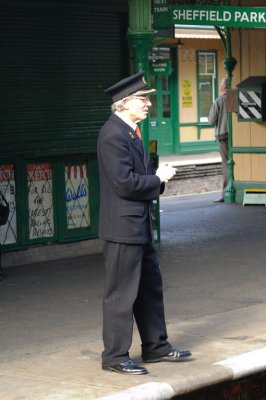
[{"x": 128, "y": 86}]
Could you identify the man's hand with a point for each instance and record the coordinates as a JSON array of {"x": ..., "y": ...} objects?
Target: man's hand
[{"x": 165, "y": 172}]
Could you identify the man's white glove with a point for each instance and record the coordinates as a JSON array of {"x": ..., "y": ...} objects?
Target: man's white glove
[{"x": 165, "y": 172}]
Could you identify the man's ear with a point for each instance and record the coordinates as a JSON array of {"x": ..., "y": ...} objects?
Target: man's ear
[{"x": 124, "y": 104}]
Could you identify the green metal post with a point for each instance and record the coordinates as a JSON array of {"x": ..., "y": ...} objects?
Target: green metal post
[
  {"x": 140, "y": 40},
  {"x": 229, "y": 65}
]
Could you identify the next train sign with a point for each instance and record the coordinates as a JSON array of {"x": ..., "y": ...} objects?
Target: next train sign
[{"x": 166, "y": 14}]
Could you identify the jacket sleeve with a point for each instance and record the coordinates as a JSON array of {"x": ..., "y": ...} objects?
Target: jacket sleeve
[
  {"x": 214, "y": 113},
  {"x": 124, "y": 174}
]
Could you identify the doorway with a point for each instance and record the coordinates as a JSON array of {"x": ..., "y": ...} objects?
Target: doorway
[{"x": 161, "y": 114}]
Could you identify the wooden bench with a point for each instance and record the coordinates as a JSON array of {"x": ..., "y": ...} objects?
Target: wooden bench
[{"x": 254, "y": 196}]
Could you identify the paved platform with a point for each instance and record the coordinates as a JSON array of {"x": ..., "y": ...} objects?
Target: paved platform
[{"x": 213, "y": 264}]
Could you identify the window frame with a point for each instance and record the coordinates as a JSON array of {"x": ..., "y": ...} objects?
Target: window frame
[{"x": 204, "y": 119}]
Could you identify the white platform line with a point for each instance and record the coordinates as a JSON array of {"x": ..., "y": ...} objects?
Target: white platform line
[{"x": 246, "y": 363}]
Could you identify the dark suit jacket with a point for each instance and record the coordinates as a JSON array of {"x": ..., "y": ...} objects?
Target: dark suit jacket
[{"x": 127, "y": 184}]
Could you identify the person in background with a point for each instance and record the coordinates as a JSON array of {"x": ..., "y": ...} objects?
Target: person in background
[
  {"x": 4, "y": 213},
  {"x": 133, "y": 286},
  {"x": 1, "y": 269},
  {"x": 218, "y": 116}
]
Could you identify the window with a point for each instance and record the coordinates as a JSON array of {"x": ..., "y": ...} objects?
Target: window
[{"x": 206, "y": 83}]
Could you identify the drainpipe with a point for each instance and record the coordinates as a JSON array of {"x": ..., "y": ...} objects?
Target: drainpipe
[{"x": 140, "y": 40}]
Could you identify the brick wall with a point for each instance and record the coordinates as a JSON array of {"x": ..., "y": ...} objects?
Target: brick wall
[{"x": 195, "y": 179}]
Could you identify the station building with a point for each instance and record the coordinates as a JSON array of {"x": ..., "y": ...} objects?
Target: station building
[{"x": 57, "y": 57}]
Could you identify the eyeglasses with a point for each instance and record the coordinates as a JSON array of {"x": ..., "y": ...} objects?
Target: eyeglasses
[{"x": 145, "y": 99}]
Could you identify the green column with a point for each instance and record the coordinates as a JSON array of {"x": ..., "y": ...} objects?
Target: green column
[
  {"x": 229, "y": 65},
  {"x": 140, "y": 41}
]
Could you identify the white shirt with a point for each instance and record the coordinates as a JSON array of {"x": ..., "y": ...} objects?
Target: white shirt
[{"x": 126, "y": 120}]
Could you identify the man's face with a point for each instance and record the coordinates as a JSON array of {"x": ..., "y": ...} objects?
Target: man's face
[
  {"x": 137, "y": 107},
  {"x": 223, "y": 86}
]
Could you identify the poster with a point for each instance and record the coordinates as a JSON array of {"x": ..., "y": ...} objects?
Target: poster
[
  {"x": 186, "y": 94},
  {"x": 40, "y": 198},
  {"x": 77, "y": 196},
  {"x": 8, "y": 232}
]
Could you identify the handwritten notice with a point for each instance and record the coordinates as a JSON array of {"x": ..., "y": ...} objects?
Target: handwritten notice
[
  {"x": 40, "y": 197},
  {"x": 77, "y": 196},
  {"x": 8, "y": 232},
  {"x": 186, "y": 94}
]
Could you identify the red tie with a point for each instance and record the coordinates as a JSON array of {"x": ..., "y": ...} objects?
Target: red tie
[{"x": 138, "y": 133}]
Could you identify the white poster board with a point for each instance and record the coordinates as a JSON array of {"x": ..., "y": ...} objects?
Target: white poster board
[
  {"x": 77, "y": 196},
  {"x": 40, "y": 199}
]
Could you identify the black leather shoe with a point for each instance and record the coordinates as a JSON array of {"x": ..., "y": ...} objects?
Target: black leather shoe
[
  {"x": 127, "y": 367},
  {"x": 172, "y": 355},
  {"x": 221, "y": 200}
]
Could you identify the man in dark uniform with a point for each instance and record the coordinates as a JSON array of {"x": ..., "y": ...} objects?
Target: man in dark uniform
[{"x": 133, "y": 287}]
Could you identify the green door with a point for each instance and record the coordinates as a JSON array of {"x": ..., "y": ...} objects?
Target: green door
[{"x": 160, "y": 128}]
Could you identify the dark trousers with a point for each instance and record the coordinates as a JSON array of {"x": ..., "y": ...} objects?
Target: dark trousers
[{"x": 133, "y": 290}]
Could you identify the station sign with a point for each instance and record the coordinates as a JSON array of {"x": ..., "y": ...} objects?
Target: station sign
[
  {"x": 238, "y": 17},
  {"x": 166, "y": 14},
  {"x": 161, "y": 14},
  {"x": 160, "y": 67}
]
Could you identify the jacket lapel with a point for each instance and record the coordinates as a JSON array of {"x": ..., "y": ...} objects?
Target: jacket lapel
[{"x": 136, "y": 143}]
